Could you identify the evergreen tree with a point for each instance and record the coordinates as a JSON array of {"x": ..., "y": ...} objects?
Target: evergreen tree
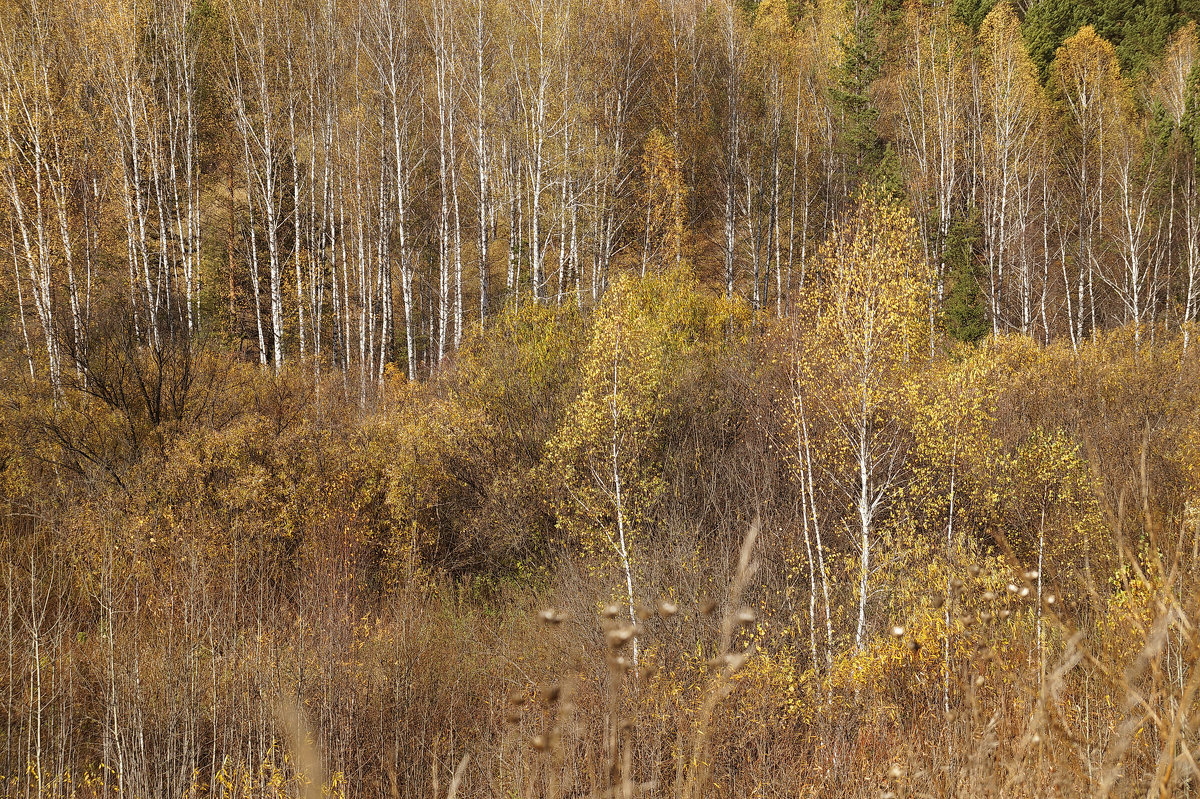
[
  {"x": 1139, "y": 29},
  {"x": 1047, "y": 24},
  {"x": 972, "y": 12},
  {"x": 965, "y": 310},
  {"x": 1189, "y": 125},
  {"x": 858, "y": 143}
]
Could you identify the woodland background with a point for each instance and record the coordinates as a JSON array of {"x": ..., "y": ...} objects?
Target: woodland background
[{"x": 388, "y": 388}]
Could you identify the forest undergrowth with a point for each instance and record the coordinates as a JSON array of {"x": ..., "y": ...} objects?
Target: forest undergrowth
[{"x": 445, "y": 590}]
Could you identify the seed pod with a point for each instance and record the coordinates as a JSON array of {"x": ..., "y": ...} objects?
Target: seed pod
[
  {"x": 551, "y": 616},
  {"x": 550, "y": 692},
  {"x": 707, "y": 606},
  {"x": 898, "y": 631},
  {"x": 667, "y": 608},
  {"x": 985, "y": 616},
  {"x": 937, "y": 600},
  {"x": 610, "y": 611},
  {"x": 1024, "y": 592},
  {"x": 745, "y": 617},
  {"x": 973, "y": 569},
  {"x": 517, "y": 697},
  {"x": 914, "y": 645},
  {"x": 988, "y": 596},
  {"x": 956, "y": 584},
  {"x": 539, "y": 743},
  {"x": 643, "y": 612}
]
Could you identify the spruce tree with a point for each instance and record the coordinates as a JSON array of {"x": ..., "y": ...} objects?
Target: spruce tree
[
  {"x": 1047, "y": 24},
  {"x": 964, "y": 313},
  {"x": 858, "y": 144}
]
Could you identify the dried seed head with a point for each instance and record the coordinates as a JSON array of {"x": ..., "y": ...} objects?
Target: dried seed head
[
  {"x": 956, "y": 583},
  {"x": 648, "y": 672},
  {"x": 937, "y": 600},
  {"x": 898, "y": 631},
  {"x": 550, "y": 692},
  {"x": 973, "y": 569},
  {"x": 707, "y": 606},
  {"x": 1024, "y": 591},
  {"x": 1036, "y": 739},
  {"x": 988, "y": 596},
  {"x": 985, "y": 616},
  {"x": 1051, "y": 599},
  {"x": 610, "y": 611},
  {"x": 551, "y": 616},
  {"x": 978, "y": 680},
  {"x": 619, "y": 636},
  {"x": 625, "y": 725},
  {"x": 1012, "y": 588},
  {"x": 667, "y": 608},
  {"x": 643, "y": 612},
  {"x": 1004, "y": 613},
  {"x": 618, "y": 663},
  {"x": 1032, "y": 574},
  {"x": 539, "y": 743},
  {"x": 745, "y": 616},
  {"x": 517, "y": 697},
  {"x": 914, "y": 645},
  {"x": 511, "y": 716},
  {"x": 896, "y": 772}
]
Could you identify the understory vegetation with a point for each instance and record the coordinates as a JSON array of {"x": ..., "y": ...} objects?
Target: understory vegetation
[{"x": 449, "y": 573}]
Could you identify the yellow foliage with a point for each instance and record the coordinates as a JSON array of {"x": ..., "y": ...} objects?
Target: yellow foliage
[{"x": 647, "y": 337}]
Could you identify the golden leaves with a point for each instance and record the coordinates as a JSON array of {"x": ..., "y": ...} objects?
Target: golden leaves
[
  {"x": 869, "y": 304},
  {"x": 664, "y": 196}
]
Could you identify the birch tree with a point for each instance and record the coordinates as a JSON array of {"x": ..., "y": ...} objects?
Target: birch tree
[
  {"x": 869, "y": 332},
  {"x": 389, "y": 49},
  {"x": 1012, "y": 116},
  {"x": 255, "y": 99},
  {"x": 933, "y": 94},
  {"x": 1176, "y": 88},
  {"x": 608, "y": 454},
  {"x": 1086, "y": 77}
]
